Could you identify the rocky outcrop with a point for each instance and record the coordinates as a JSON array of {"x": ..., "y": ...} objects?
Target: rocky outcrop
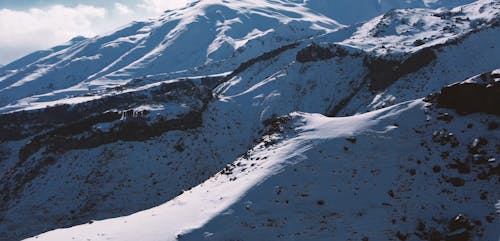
[
  {"x": 315, "y": 52},
  {"x": 22, "y": 124},
  {"x": 384, "y": 72},
  {"x": 481, "y": 95},
  {"x": 263, "y": 57}
]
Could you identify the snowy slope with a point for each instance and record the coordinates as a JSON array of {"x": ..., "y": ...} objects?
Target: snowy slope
[
  {"x": 207, "y": 36},
  {"x": 82, "y": 151},
  {"x": 170, "y": 46},
  {"x": 342, "y": 10},
  {"x": 318, "y": 178}
]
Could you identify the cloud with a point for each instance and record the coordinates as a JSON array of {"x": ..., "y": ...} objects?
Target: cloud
[
  {"x": 34, "y": 29},
  {"x": 26, "y": 31},
  {"x": 159, "y": 6},
  {"x": 122, "y": 9}
]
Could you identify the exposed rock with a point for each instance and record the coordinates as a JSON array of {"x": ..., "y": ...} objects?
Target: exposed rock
[
  {"x": 384, "y": 72},
  {"x": 477, "y": 143},
  {"x": 352, "y": 140},
  {"x": 315, "y": 52},
  {"x": 76, "y": 118},
  {"x": 444, "y": 137},
  {"x": 456, "y": 181},
  {"x": 402, "y": 236},
  {"x": 462, "y": 167},
  {"x": 472, "y": 96},
  {"x": 492, "y": 125},
  {"x": 263, "y": 57},
  {"x": 459, "y": 229},
  {"x": 445, "y": 117}
]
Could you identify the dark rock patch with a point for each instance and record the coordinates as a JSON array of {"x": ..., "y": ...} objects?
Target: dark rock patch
[
  {"x": 444, "y": 137},
  {"x": 352, "y": 140},
  {"x": 456, "y": 181},
  {"x": 477, "y": 143},
  {"x": 492, "y": 125},
  {"x": 445, "y": 117},
  {"x": 315, "y": 52},
  {"x": 471, "y": 97},
  {"x": 266, "y": 56},
  {"x": 384, "y": 72}
]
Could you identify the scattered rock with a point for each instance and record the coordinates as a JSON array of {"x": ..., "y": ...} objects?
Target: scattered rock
[
  {"x": 445, "y": 117},
  {"x": 390, "y": 193},
  {"x": 459, "y": 222},
  {"x": 179, "y": 147},
  {"x": 476, "y": 144},
  {"x": 484, "y": 196},
  {"x": 418, "y": 42},
  {"x": 435, "y": 235},
  {"x": 492, "y": 125},
  {"x": 401, "y": 236},
  {"x": 351, "y": 140},
  {"x": 479, "y": 159},
  {"x": 459, "y": 229},
  {"x": 462, "y": 167},
  {"x": 444, "y": 137},
  {"x": 456, "y": 181}
]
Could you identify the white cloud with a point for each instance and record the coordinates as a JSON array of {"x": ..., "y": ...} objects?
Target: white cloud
[
  {"x": 159, "y": 6},
  {"x": 26, "y": 31},
  {"x": 122, "y": 9}
]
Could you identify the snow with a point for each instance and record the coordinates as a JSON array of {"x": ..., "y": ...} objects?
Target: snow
[
  {"x": 168, "y": 44},
  {"x": 398, "y": 30},
  {"x": 133, "y": 187},
  {"x": 231, "y": 206},
  {"x": 342, "y": 10},
  {"x": 212, "y": 198},
  {"x": 234, "y": 31}
]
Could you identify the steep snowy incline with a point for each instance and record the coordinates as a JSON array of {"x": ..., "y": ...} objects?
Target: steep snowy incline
[
  {"x": 392, "y": 36},
  {"x": 452, "y": 45},
  {"x": 212, "y": 33},
  {"x": 352, "y": 12},
  {"x": 335, "y": 78},
  {"x": 206, "y": 37},
  {"x": 31, "y": 58},
  {"x": 365, "y": 177},
  {"x": 410, "y": 30}
]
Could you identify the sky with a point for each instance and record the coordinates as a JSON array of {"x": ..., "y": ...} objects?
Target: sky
[{"x": 30, "y": 25}]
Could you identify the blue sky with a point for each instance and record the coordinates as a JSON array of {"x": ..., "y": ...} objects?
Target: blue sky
[
  {"x": 30, "y": 25},
  {"x": 23, "y": 4}
]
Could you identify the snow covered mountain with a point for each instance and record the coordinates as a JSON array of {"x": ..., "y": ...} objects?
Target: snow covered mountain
[
  {"x": 204, "y": 114},
  {"x": 364, "y": 177},
  {"x": 206, "y": 37}
]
